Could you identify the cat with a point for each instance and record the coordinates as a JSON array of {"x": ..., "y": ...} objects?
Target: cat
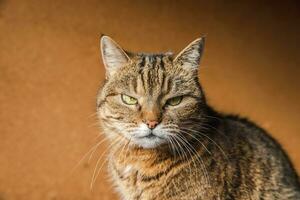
[{"x": 166, "y": 142}]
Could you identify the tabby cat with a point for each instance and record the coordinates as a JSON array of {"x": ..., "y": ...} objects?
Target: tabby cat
[{"x": 168, "y": 143}]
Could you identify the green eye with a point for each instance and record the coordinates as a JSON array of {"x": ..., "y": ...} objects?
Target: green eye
[
  {"x": 174, "y": 101},
  {"x": 128, "y": 99}
]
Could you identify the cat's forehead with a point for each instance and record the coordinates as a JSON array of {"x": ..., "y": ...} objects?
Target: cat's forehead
[
  {"x": 148, "y": 67},
  {"x": 147, "y": 74},
  {"x": 151, "y": 75},
  {"x": 149, "y": 61}
]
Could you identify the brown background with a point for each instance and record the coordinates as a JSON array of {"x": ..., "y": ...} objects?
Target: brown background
[{"x": 50, "y": 70}]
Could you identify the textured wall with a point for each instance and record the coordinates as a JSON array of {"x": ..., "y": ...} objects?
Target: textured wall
[{"x": 50, "y": 70}]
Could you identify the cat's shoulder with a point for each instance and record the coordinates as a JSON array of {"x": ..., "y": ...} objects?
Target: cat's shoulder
[
  {"x": 246, "y": 128},
  {"x": 242, "y": 122}
]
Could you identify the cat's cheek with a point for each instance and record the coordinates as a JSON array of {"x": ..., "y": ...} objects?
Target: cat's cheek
[{"x": 186, "y": 110}]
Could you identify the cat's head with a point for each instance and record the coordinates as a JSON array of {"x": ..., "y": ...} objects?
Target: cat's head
[{"x": 147, "y": 98}]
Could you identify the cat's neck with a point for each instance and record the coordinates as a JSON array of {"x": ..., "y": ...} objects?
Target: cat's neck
[{"x": 133, "y": 154}]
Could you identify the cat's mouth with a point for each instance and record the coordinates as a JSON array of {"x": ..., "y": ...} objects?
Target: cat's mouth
[
  {"x": 150, "y": 140},
  {"x": 151, "y": 136}
]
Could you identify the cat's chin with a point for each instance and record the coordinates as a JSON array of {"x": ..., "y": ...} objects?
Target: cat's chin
[{"x": 149, "y": 142}]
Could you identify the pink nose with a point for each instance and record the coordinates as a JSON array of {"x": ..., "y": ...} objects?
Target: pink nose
[{"x": 151, "y": 124}]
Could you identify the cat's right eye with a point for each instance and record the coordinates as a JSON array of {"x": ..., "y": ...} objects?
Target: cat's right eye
[{"x": 128, "y": 99}]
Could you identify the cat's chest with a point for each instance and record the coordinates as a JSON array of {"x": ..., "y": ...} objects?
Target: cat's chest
[
  {"x": 170, "y": 182},
  {"x": 126, "y": 172},
  {"x": 132, "y": 183},
  {"x": 127, "y": 176}
]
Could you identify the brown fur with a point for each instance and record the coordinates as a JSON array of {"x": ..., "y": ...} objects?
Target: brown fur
[{"x": 204, "y": 155}]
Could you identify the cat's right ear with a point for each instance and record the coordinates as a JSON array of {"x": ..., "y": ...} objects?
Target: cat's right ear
[{"x": 113, "y": 55}]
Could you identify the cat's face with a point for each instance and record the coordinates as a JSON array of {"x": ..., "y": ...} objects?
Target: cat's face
[{"x": 147, "y": 98}]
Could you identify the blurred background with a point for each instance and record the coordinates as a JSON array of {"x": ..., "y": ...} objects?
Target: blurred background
[{"x": 50, "y": 70}]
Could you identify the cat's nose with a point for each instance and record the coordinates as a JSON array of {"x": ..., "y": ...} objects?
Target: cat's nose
[{"x": 151, "y": 124}]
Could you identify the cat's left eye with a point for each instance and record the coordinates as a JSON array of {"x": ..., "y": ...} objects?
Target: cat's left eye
[
  {"x": 174, "y": 101},
  {"x": 128, "y": 99}
]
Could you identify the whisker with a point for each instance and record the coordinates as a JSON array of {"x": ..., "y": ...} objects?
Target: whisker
[
  {"x": 219, "y": 147},
  {"x": 120, "y": 153},
  {"x": 180, "y": 147},
  {"x": 94, "y": 125},
  {"x": 100, "y": 168},
  {"x": 205, "y": 125},
  {"x": 128, "y": 146},
  {"x": 191, "y": 135},
  {"x": 96, "y": 149},
  {"x": 191, "y": 149},
  {"x": 172, "y": 146},
  {"x": 187, "y": 159},
  {"x": 97, "y": 163},
  {"x": 92, "y": 149},
  {"x": 93, "y": 115}
]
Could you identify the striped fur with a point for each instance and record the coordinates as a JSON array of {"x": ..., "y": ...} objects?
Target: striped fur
[{"x": 196, "y": 153}]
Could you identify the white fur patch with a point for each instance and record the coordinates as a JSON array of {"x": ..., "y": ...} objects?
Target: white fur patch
[
  {"x": 127, "y": 170},
  {"x": 140, "y": 136}
]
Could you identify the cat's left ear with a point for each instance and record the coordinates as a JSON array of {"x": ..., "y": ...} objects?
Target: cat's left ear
[
  {"x": 114, "y": 57},
  {"x": 189, "y": 57}
]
